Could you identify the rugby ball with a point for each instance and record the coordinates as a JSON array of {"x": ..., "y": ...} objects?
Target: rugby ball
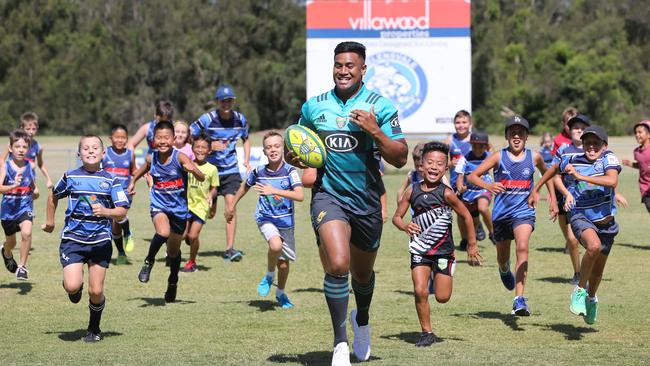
[{"x": 306, "y": 144}]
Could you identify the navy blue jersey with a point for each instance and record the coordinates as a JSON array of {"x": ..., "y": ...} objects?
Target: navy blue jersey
[
  {"x": 17, "y": 201},
  {"x": 566, "y": 151},
  {"x": 545, "y": 152},
  {"x": 84, "y": 188},
  {"x": 466, "y": 165},
  {"x": 149, "y": 137},
  {"x": 273, "y": 208},
  {"x": 168, "y": 190},
  {"x": 226, "y": 131},
  {"x": 119, "y": 165},
  {"x": 457, "y": 150},
  {"x": 593, "y": 201},
  {"x": 517, "y": 178},
  {"x": 434, "y": 217},
  {"x": 351, "y": 171}
]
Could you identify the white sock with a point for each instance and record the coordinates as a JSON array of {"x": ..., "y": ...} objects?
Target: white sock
[
  {"x": 279, "y": 292},
  {"x": 592, "y": 299},
  {"x": 270, "y": 274}
]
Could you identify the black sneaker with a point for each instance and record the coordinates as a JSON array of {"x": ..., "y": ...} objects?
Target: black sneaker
[
  {"x": 92, "y": 337},
  {"x": 232, "y": 255},
  {"x": 76, "y": 297},
  {"x": 480, "y": 233},
  {"x": 463, "y": 245},
  {"x": 145, "y": 272},
  {"x": 426, "y": 340},
  {"x": 21, "y": 273},
  {"x": 492, "y": 239},
  {"x": 10, "y": 263},
  {"x": 170, "y": 294}
]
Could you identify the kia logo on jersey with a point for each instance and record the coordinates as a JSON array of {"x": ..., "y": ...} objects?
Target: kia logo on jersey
[{"x": 341, "y": 142}]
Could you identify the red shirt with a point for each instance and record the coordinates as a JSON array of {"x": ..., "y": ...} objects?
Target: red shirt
[
  {"x": 642, "y": 157},
  {"x": 561, "y": 139}
]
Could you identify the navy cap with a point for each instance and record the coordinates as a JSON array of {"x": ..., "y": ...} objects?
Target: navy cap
[
  {"x": 596, "y": 131},
  {"x": 517, "y": 120},
  {"x": 579, "y": 118},
  {"x": 224, "y": 92},
  {"x": 478, "y": 137}
]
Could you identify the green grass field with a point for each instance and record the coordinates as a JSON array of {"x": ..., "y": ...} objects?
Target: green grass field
[{"x": 219, "y": 318}]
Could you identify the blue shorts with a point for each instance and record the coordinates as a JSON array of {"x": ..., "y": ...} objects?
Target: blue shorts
[
  {"x": 13, "y": 226},
  {"x": 366, "y": 229},
  {"x": 505, "y": 229},
  {"x": 193, "y": 218},
  {"x": 176, "y": 224},
  {"x": 71, "y": 252},
  {"x": 606, "y": 232}
]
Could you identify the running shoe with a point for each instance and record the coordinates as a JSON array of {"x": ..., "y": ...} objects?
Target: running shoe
[
  {"x": 426, "y": 340},
  {"x": 76, "y": 297},
  {"x": 519, "y": 307},
  {"x": 578, "y": 301},
  {"x": 129, "y": 244},
  {"x": 170, "y": 294},
  {"x": 492, "y": 239},
  {"x": 463, "y": 245},
  {"x": 507, "y": 278},
  {"x": 592, "y": 311},
  {"x": 190, "y": 266},
  {"x": 341, "y": 355},
  {"x": 10, "y": 263},
  {"x": 284, "y": 301},
  {"x": 145, "y": 272},
  {"x": 121, "y": 259},
  {"x": 92, "y": 337},
  {"x": 361, "y": 343},
  {"x": 264, "y": 287},
  {"x": 480, "y": 233},
  {"x": 232, "y": 255},
  {"x": 21, "y": 273}
]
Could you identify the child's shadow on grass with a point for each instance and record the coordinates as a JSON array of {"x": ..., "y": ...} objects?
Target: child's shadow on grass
[
  {"x": 413, "y": 337},
  {"x": 23, "y": 287},
  {"x": 114, "y": 262},
  {"x": 159, "y": 301},
  {"x": 309, "y": 289},
  {"x": 263, "y": 305},
  {"x": 213, "y": 253},
  {"x": 550, "y": 250},
  {"x": 409, "y": 293},
  {"x": 507, "y": 319},
  {"x": 570, "y": 331},
  {"x": 77, "y": 335},
  {"x": 311, "y": 358},
  {"x": 634, "y": 246}
]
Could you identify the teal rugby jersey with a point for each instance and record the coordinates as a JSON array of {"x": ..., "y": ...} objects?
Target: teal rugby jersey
[{"x": 351, "y": 171}]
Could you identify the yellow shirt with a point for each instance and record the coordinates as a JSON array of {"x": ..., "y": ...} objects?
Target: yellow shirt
[{"x": 198, "y": 192}]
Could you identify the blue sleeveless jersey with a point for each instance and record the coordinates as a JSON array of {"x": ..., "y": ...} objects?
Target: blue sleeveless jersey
[
  {"x": 150, "y": 145},
  {"x": 32, "y": 152},
  {"x": 593, "y": 201},
  {"x": 351, "y": 172},
  {"x": 228, "y": 132},
  {"x": 168, "y": 190},
  {"x": 18, "y": 201},
  {"x": 467, "y": 164},
  {"x": 272, "y": 208},
  {"x": 547, "y": 156},
  {"x": 119, "y": 165},
  {"x": 457, "y": 150},
  {"x": 84, "y": 188},
  {"x": 517, "y": 178}
]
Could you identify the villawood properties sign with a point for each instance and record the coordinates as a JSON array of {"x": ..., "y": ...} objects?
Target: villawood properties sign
[{"x": 418, "y": 54}]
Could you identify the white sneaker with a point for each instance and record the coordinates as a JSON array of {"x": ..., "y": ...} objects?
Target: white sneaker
[
  {"x": 341, "y": 355},
  {"x": 361, "y": 343}
]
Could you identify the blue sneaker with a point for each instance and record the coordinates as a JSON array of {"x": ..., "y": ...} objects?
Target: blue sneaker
[
  {"x": 519, "y": 307},
  {"x": 507, "y": 278},
  {"x": 284, "y": 301},
  {"x": 265, "y": 285}
]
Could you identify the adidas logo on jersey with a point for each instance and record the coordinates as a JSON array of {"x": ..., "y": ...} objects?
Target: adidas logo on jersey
[{"x": 321, "y": 119}]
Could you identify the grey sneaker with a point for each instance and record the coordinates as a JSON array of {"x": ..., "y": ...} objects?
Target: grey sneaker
[{"x": 21, "y": 273}]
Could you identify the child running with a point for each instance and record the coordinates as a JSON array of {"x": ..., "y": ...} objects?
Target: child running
[
  {"x": 17, "y": 177},
  {"x": 95, "y": 199},
  {"x": 512, "y": 217},
  {"x": 545, "y": 148},
  {"x": 431, "y": 243},
  {"x": 120, "y": 161},
  {"x": 591, "y": 177},
  {"x": 168, "y": 169},
  {"x": 182, "y": 139},
  {"x": 200, "y": 198},
  {"x": 642, "y": 160},
  {"x": 29, "y": 123},
  {"x": 278, "y": 185},
  {"x": 476, "y": 199}
]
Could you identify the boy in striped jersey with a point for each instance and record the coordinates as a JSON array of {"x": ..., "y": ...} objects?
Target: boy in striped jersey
[
  {"x": 278, "y": 185},
  {"x": 95, "y": 198}
]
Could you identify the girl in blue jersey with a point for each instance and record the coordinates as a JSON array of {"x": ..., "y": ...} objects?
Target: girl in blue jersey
[
  {"x": 120, "y": 161},
  {"x": 591, "y": 178},
  {"x": 430, "y": 231},
  {"x": 512, "y": 217},
  {"x": 95, "y": 199},
  {"x": 278, "y": 185},
  {"x": 17, "y": 186},
  {"x": 168, "y": 169}
]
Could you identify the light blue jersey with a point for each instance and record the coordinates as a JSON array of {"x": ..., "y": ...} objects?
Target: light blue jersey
[
  {"x": 18, "y": 201},
  {"x": 351, "y": 171},
  {"x": 84, "y": 188},
  {"x": 273, "y": 208},
  {"x": 517, "y": 178}
]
